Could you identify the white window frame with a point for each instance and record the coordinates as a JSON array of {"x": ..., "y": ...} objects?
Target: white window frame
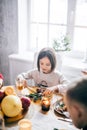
[{"x": 24, "y": 23}]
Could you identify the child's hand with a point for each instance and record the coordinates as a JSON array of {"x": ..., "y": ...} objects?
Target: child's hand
[
  {"x": 51, "y": 90},
  {"x": 47, "y": 92},
  {"x": 21, "y": 81},
  {"x": 25, "y": 84}
]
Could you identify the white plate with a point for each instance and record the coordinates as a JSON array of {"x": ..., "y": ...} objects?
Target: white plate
[{"x": 59, "y": 109}]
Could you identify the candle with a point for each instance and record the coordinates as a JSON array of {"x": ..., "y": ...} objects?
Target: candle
[
  {"x": 24, "y": 124},
  {"x": 45, "y": 104}
]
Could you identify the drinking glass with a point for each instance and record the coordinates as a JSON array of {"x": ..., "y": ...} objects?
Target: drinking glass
[
  {"x": 25, "y": 124},
  {"x": 19, "y": 86}
]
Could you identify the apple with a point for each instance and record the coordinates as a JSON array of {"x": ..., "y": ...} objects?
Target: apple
[
  {"x": 25, "y": 102},
  {"x": 11, "y": 105},
  {"x": 2, "y": 95}
]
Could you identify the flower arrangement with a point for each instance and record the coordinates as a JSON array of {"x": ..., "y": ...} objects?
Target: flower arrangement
[{"x": 62, "y": 44}]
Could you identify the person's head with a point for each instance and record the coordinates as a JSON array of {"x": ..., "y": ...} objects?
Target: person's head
[
  {"x": 76, "y": 102},
  {"x": 46, "y": 61}
]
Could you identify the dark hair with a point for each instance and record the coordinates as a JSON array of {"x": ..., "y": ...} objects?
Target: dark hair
[
  {"x": 78, "y": 91},
  {"x": 50, "y": 53}
]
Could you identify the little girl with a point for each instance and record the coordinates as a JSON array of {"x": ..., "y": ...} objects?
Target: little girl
[{"x": 45, "y": 75}]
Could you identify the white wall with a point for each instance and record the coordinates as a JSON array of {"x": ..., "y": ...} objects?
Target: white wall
[{"x": 19, "y": 64}]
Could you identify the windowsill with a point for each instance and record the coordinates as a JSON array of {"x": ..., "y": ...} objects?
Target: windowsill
[
  {"x": 67, "y": 60},
  {"x": 76, "y": 63},
  {"x": 23, "y": 57}
]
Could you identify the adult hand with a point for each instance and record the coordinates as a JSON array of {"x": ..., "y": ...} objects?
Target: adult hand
[{"x": 84, "y": 72}]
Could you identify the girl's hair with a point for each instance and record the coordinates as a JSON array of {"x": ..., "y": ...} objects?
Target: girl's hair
[
  {"x": 47, "y": 52},
  {"x": 78, "y": 91}
]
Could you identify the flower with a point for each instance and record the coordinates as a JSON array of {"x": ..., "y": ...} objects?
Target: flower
[
  {"x": 1, "y": 76},
  {"x": 62, "y": 44}
]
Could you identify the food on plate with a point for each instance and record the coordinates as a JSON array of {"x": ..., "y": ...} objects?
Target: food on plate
[
  {"x": 35, "y": 96},
  {"x": 61, "y": 108},
  {"x": 25, "y": 102},
  {"x": 9, "y": 90},
  {"x": 2, "y": 95},
  {"x": 64, "y": 108},
  {"x": 40, "y": 90},
  {"x": 36, "y": 93},
  {"x": 11, "y": 105}
]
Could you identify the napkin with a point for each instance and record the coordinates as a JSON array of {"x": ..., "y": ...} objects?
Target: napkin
[{"x": 49, "y": 122}]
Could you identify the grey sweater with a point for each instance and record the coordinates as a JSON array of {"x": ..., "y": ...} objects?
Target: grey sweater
[{"x": 54, "y": 78}]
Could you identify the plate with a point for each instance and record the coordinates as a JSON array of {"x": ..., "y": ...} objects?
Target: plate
[
  {"x": 61, "y": 109},
  {"x": 23, "y": 114},
  {"x": 16, "y": 118}
]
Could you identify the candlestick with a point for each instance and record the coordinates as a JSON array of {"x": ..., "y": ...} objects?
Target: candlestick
[
  {"x": 24, "y": 124},
  {"x": 45, "y": 104}
]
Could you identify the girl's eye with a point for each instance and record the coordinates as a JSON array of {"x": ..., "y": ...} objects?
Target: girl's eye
[{"x": 47, "y": 64}]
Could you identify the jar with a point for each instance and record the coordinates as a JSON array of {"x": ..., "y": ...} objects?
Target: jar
[{"x": 45, "y": 104}]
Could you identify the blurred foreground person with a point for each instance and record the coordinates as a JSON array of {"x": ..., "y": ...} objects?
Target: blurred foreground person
[{"x": 76, "y": 102}]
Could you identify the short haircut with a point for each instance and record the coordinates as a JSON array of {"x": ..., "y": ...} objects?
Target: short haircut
[
  {"x": 47, "y": 52},
  {"x": 78, "y": 91}
]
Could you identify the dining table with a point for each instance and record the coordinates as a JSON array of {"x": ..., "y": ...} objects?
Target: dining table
[{"x": 43, "y": 120}]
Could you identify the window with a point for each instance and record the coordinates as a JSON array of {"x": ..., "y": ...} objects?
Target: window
[
  {"x": 80, "y": 29},
  {"x": 50, "y": 19}
]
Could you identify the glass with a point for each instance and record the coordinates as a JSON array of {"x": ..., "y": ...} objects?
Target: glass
[
  {"x": 19, "y": 86},
  {"x": 24, "y": 124}
]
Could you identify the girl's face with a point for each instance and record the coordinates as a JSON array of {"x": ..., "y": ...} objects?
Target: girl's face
[{"x": 45, "y": 65}]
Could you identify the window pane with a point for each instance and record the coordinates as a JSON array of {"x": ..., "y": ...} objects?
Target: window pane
[
  {"x": 81, "y": 15},
  {"x": 38, "y": 36},
  {"x": 80, "y": 32},
  {"x": 56, "y": 32},
  {"x": 80, "y": 39},
  {"x": 39, "y": 10},
  {"x": 44, "y": 31},
  {"x": 58, "y": 13}
]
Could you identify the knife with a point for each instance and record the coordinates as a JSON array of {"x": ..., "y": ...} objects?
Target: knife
[{"x": 64, "y": 119}]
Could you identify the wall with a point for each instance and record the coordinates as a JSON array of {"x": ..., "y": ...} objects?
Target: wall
[
  {"x": 8, "y": 34},
  {"x": 19, "y": 64}
]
